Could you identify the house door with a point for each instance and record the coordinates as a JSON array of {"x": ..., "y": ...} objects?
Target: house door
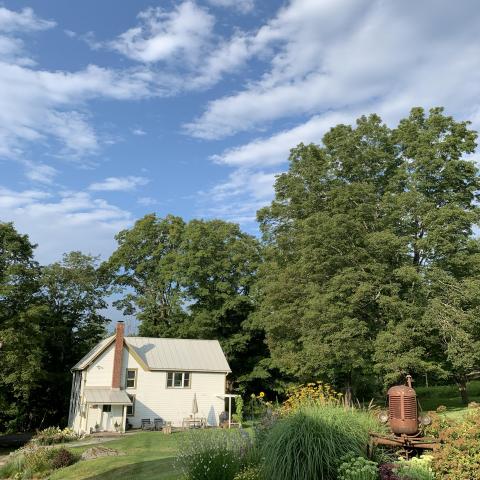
[{"x": 106, "y": 423}]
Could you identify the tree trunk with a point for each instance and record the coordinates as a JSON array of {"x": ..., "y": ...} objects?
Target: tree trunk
[{"x": 462, "y": 388}]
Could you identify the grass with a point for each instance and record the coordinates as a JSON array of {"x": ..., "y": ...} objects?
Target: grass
[
  {"x": 432, "y": 397},
  {"x": 309, "y": 443},
  {"x": 148, "y": 455}
]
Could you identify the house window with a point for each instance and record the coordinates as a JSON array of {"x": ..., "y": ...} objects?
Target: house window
[
  {"x": 106, "y": 408},
  {"x": 178, "y": 380},
  {"x": 131, "y": 408},
  {"x": 131, "y": 378}
]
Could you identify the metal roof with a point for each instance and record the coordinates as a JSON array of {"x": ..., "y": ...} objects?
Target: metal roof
[
  {"x": 180, "y": 354},
  {"x": 106, "y": 396},
  {"x": 168, "y": 354},
  {"x": 93, "y": 353}
]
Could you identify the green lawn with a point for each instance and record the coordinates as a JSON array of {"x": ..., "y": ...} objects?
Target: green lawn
[
  {"x": 148, "y": 455},
  {"x": 432, "y": 397}
]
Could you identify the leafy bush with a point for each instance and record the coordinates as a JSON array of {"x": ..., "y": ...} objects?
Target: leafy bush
[
  {"x": 214, "y": 454},
  {"x": 417, "y": 468},
  {"x": 387, "y": 471},
  {"x": 309, "y": 443},
  {"x": 63, "y": 458},
  {"x": 249, "y": 473},
  {"x": 357, "y": 468},
  {"x": 318, "y": 393},
  {"x": 33, "y": 461},
  {"x": 53, "y": 435},
  {"x": 459, "y": 456}
]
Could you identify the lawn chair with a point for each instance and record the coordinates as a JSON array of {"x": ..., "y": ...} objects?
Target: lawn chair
[
  {"x": 146, "y": 424},
  {"x": 158, "y": 423}
]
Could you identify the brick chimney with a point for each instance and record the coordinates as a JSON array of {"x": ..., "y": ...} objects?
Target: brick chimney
[{"x": 117, "y": 360}]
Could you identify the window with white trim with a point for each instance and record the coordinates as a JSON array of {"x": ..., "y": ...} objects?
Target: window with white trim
[
  {"x": 131, "y": 408},
  {"x": 131, "y": 378},
  {"x": 178, "y": 379}
]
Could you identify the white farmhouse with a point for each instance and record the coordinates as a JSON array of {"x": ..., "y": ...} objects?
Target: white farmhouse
[{"x": 134, "y": 378}]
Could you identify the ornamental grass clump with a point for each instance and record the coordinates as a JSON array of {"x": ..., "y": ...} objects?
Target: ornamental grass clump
[
  {"x": 309, "y": 443},
  {"x": 214, "y": 454}
]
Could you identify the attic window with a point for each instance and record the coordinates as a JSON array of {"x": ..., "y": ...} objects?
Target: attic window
[
  {"x": 131, "y": 378},
  {"x": 178, "y": 380}
]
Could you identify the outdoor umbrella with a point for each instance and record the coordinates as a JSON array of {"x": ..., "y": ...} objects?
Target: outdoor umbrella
[{"x": 194, "y": 407}]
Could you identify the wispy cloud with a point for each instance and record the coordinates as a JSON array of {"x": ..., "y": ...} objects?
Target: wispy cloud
[
  {"x": 242, "y": 6},
  {"x": 338, "y": 55},
  {"x": 39, "y": 172},
  {"x": 139, "y": 131},
  {"x": 64, "y": 222},
  {"x": 23, "y": 21},
  {"x": 119, "y": 184}
]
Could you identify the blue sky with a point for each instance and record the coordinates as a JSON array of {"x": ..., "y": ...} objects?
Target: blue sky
[{"x": 113, "y": 109}]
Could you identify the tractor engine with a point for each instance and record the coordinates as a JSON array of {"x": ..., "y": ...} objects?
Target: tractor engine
[{"x": 402, "y": 409}]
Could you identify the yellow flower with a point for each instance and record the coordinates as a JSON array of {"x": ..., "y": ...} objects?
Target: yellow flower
[{"x": 262, "y": 394}]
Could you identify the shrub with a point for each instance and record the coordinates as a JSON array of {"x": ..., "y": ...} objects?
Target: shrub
[
  {"x": 418, "y": 468},
  {"x": 249, "y": 473},
  {"x": 459, "y": 456},
  {"x": 52, "y": 435},
  {"x": 309, "y": 443},
  {"x": 357, "y": 468},
  {"x": 387, "y": 472},
  {"x": 214, "y": 454},
  {"x": 63, "y": 458},
  {"x": 33, "y": 461},
  {"x": 318, "y": 393}
]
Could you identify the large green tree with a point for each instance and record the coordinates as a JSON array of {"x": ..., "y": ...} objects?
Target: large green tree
[
  {"x": 144, "y": 268},
  {"x": 356, "y": 224},
  {"x": 191, "y": 280}
]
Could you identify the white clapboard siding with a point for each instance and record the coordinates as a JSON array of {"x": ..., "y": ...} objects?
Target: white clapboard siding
[
  {"x": 154, "y": 400},
  {"x": 99, "y": 373}
]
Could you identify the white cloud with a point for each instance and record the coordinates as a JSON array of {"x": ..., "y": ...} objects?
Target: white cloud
[
  {"x": 339, "y": 55},
  {"x": 39, "y": 172},
  {"x": 36, "y": 104},
  {"x": 119, "y": 184},
  {"x": 243, "y": 6},
  {"x": 274, "y": 150},
  {"x": 23, "y": 21},
  {"x": 163, "y": 35},
  {"x": 147, "y": 201},
  {"x": 139, "y": 132},
  {"x": 69, "y": 221}
]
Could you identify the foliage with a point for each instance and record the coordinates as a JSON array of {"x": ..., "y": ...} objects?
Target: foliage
[
  {"x": 214, "y": 454},
  {"x": 318, "y": 393},
  {"x": 239, "y": 408},
  {"x": 33, "y": 461},
  {"x": 417, "y": 468},
  {"x": 52, "y": 435},
  {"x": 191, "y": 280},
  {"x": 357, "y": 468},
  {"x": 249, "y": 473},
  {"x": 63, "y": 458},
  {"x": 387, "y": 471},
  {"x": 459, "y": 456},
  {"x": 369, "y": 234},
  {"x": 309, "y": 443}
]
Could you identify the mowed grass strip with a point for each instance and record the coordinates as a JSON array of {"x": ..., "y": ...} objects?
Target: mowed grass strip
[
  {"x": 430, "y": 398},
  {"x": 148, "y": 455}
]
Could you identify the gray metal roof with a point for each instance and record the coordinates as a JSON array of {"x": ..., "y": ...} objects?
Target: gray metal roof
[
  {"x": 93, "y": 353},
  {"x": 180, "y": 354},
  {"x": 106, "y": 396},
  {"x": 169, "y": 354}
]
